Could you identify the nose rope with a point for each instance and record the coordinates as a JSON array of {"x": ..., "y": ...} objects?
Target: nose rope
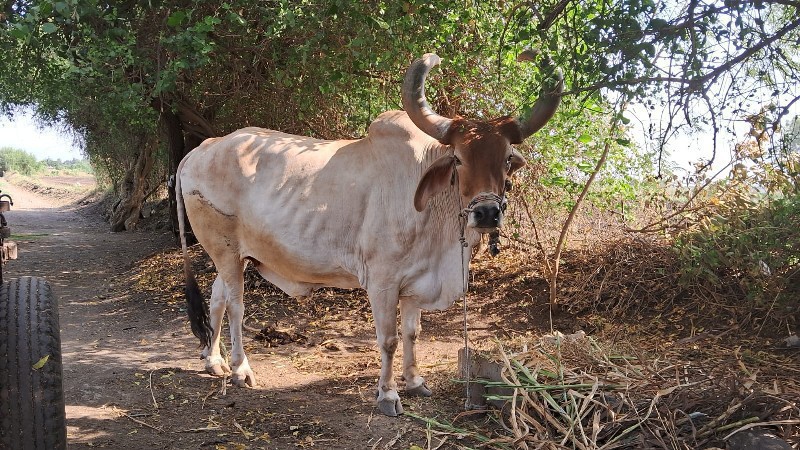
[
  {"x": 463, "y": 214},
  {"x": 494, "y": 238},
  {"x": 486, "y": 197},
  {"x": 465, "y": 277}
]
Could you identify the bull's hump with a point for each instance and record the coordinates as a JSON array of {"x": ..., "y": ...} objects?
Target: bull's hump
[{"x": 395, "y": 125}]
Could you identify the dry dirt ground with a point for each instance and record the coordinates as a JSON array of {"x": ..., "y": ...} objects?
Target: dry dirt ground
[
  {"x": 132, "y": 377},
  {"x": 133, "y": 380}
]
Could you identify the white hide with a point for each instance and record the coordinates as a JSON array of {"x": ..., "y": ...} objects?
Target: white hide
[{"x": 311, "y": 213}]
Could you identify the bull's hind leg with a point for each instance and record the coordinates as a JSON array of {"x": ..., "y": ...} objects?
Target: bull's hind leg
[
  {"x": 410, "y": 319},
  {"x": 242, "y": 373},
  {"x": 384, "y": 311},
  {"x": 215, "y": 363},
  {"x": 226, "y": 295}
]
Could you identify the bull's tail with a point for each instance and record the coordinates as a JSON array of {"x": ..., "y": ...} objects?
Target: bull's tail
[{"x": 196, "y": 306}]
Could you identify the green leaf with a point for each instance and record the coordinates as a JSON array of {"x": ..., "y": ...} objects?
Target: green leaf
[
  {"x": 49, "y": 27},
  {"x": 236, "y": 18},
  {"x": 585, "y": 167},
  {"x": 381, "y": 23},
  {"x": 176, "y": 18},
  {"x": 584, "y": 138},
  {"x": 19, "y": 32},
  {"x": 39, "y": 364},
  {"x": 211, "y": 21}
]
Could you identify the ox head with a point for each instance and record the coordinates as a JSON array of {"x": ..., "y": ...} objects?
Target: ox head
[{"x": 481, "y": 158}]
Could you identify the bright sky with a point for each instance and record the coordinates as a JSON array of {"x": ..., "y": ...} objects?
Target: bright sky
[
  {"x": 684, "y": 149},
  {"x": 24, "y": 134}
]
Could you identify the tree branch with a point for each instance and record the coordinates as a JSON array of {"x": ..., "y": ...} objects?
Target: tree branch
[
  {"x": 748, "y": 52},
  {"x": 694, "y": 83},
  {"x": 194, "y": 120},
  {"x": 553, "y": 279}
]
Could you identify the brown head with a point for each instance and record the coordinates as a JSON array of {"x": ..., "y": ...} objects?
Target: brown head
[{"x": 481, "y": 157}]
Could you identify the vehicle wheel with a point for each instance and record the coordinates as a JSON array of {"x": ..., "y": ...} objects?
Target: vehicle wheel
[{"x": 32, "y": 415}]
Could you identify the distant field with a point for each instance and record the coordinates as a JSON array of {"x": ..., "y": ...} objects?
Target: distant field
[
  {"x": 61, "y": 188},
  {"x": 64, "y": 180}
]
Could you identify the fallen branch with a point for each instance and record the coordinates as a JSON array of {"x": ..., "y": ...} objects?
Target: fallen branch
[{"x": 140, "y": 422}]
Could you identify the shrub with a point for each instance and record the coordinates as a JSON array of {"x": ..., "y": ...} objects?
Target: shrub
[
  {"x": 19, "y": 161},
  {"x": 754, "y": 242}
]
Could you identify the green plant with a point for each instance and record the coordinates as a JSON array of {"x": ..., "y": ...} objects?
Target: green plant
[
  {"x": 753, "y": 241},
  {"x": 19, "y": 161}
]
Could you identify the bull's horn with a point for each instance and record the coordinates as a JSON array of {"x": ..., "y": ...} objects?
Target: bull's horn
[
  {"x": 545, "y": 105},
  {"x": 413, "y": 97}
]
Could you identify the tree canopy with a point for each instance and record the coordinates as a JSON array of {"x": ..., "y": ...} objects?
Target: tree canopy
[{"x": 147, "y": 81}]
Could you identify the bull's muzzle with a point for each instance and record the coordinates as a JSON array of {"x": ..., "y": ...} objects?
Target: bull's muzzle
[{"x": 485, "y": 212}]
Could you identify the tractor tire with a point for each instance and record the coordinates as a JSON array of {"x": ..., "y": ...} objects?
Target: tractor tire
[{"x": 32, "y": 414}]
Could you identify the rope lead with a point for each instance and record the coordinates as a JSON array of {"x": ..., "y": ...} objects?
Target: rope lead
[{"x": 494, "y": 240}]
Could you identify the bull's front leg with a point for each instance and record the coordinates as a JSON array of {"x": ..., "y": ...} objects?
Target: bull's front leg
[
  {"x": 384, "y": 312},
  {"x": 410, "y": 319},
  {"x": 215, "y": 363}
]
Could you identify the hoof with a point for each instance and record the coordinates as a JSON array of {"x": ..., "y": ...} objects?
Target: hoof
[
  {"x": 244, "y": 379},
  {"x": 419, "y": 391},
  {"x": 219, "y": 369},
  {"x": 390, "y": 407}
]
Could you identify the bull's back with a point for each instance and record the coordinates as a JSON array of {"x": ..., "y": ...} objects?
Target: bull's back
[
  {"x": 288, "y": 202},
  {"x": 247, "y": 168}
]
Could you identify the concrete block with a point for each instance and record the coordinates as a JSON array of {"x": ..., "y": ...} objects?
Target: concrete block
[{"x": 482, "y": 368}]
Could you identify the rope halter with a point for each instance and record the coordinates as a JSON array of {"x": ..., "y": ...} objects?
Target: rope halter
[{"x": 486, "y": 197}]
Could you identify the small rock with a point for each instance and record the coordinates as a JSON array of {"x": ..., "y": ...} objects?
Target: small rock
[
  {"x": 757, "y": 439},
  {"x": 792, "y": 341}
]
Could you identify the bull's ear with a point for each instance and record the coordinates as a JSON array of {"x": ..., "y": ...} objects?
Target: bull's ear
[
  {"x": 435, "y": 180},
  {"x": 516, "y": 162}
]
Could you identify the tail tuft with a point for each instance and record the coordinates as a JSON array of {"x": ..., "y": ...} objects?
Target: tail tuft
[{"x": 197, "y": 309}]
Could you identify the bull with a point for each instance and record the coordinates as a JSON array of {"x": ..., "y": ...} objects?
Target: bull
[{"x": 395, "y": 213}]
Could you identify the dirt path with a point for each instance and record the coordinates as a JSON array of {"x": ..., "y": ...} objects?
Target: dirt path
[
  {"x": 81, "y": 259},
  {"x": 131, "y": 374},
  {"x": 133, "y": 380}
]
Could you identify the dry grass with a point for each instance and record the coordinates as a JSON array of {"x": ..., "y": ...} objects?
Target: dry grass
[
  {"x": 671, "y": 366},
  {"x": 573, "y": 392},
  {"x": 701, "y": 361}
]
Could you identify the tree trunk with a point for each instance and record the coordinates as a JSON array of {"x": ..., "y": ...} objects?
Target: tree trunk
[
  {"x": 133, "y": 190},
  {"x": 177, "y": 150},
  {"x": 185, "y": 128}
]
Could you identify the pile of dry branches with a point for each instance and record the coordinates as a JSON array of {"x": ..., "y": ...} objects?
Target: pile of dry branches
[{"x": 571, "y": 392}]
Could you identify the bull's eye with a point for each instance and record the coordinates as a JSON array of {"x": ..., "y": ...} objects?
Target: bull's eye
[
  {"x": 508, "y": 161},
  {"x": 456, "y": 161}
]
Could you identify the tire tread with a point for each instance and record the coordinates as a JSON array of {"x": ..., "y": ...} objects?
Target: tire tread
[{"x": 32, "y": 415}]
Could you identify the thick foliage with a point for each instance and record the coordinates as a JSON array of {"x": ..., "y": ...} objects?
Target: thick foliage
[
  {"x": 756, "y": 243},
  {"x": 136, "y": 77},
  {"x": 746, "y": 227},
  {"x": 70, "y": 166}
]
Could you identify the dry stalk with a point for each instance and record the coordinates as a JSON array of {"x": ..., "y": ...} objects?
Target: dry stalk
[
  {"x": 748, "y": 426},
  {"x": 561, "y": 397},
  {"x": 153, "y": 395},
  {"x": 140, "y": 422},
  {"x": 710, "y": 427}
]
